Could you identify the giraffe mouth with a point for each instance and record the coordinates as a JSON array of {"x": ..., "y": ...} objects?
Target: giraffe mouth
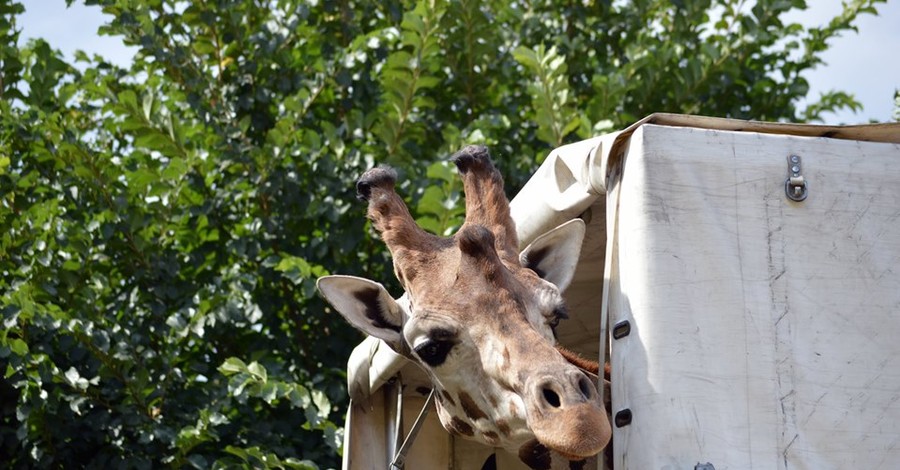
[{"x": 536, "y": 454}]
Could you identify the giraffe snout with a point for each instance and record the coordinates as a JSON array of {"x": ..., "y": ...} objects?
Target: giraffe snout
[{"x": 566, "y": 414}]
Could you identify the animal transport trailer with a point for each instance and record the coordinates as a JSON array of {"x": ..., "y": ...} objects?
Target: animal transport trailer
[{"x": 743, "y": 280}]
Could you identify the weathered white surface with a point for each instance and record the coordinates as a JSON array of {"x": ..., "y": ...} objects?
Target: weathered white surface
[{"x": 764, "y": 331}]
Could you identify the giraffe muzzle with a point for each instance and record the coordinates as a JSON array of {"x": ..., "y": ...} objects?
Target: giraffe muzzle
[{"x": 565, "y": 413}]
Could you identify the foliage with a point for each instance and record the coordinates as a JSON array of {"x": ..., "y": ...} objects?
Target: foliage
[
  {"x": 551, "y": 97},
  {"x": 162, "y": 224}
]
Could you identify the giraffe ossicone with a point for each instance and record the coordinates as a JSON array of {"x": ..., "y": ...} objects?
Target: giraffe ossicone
[{"x": 479, "y": 318}]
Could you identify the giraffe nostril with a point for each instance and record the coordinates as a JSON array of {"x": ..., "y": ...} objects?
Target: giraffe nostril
[
  {"x": 587, "y": 389},
  {"x": 551, "y": 397}
]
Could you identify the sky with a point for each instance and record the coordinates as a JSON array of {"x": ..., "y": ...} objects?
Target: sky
[{"x": 858, "y": 63}]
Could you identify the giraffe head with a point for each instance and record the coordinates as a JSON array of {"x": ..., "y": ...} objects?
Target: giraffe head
[{"x": 479, "y": 318}]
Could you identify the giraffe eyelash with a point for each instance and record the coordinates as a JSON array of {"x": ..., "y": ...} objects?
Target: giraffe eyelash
[
  {"x": 559, "y": 313},
  {"x": 434, "y": 352}
]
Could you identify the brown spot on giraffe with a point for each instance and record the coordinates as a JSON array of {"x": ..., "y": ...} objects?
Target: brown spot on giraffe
[
  {"x": 493, "y": 401},
  {"x": 470, "y": 408},
  {"x": 503, "y": 427},
  {"x": 513, "y": 409},
  {"x": 460, "y": 427},
  {"x": 477, "y": 316},
  {"x": 491, "y": 437},
  {"x": 448, "y": 398},
  {"x": 535, "y": 455}
]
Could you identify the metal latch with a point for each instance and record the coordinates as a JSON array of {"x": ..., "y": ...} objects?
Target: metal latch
[{"x": 795, "y": 186}]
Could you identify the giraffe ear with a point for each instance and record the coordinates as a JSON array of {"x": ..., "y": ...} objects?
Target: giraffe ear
[
  {"x": 554, "y": 255},
  {"x": 366, "y": 304}
]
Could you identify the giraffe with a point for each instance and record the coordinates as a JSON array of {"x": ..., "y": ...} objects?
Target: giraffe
[{"x": 479, "y": 317}]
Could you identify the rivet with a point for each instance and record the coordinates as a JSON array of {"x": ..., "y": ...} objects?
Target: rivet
[
  {"x": 795, "y": 169},
  {"x": 795, "y": 159}
]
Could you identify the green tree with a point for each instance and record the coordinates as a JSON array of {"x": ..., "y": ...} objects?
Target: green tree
[{"x": 162, "y": 224}]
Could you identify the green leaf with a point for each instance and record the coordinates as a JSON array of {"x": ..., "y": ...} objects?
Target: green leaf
[
  {"x": 294, "y": 268},
  {"x": 237, "y": 451},
  {"x": 71, "y": 265},
  {"x": 269, "y": 392},
  {"x": 527, "y": 57},
  {"x": 432, "y": 201},
  {"x": 148, "y": 106},
  {"x": 322, "y": 403},
  {"x": 442, "y": 170},
  {"x": 300, "y": 397},
  {"x": 258, "y": 371},
  {"x": 18, "y": 347},
  {"x": 232, "y": 366},
  {"x": 129, "y": 99}
]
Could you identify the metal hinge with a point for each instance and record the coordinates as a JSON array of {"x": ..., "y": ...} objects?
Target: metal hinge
[{"x": 795, "y": 186}]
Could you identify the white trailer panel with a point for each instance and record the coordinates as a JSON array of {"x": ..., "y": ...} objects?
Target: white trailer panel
[{"x": 764, "y": 332}]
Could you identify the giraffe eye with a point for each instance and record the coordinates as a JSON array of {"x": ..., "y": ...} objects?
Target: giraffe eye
[
  {"x": 559, "y": 313},
  {"x": 434, "y": 352}
]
